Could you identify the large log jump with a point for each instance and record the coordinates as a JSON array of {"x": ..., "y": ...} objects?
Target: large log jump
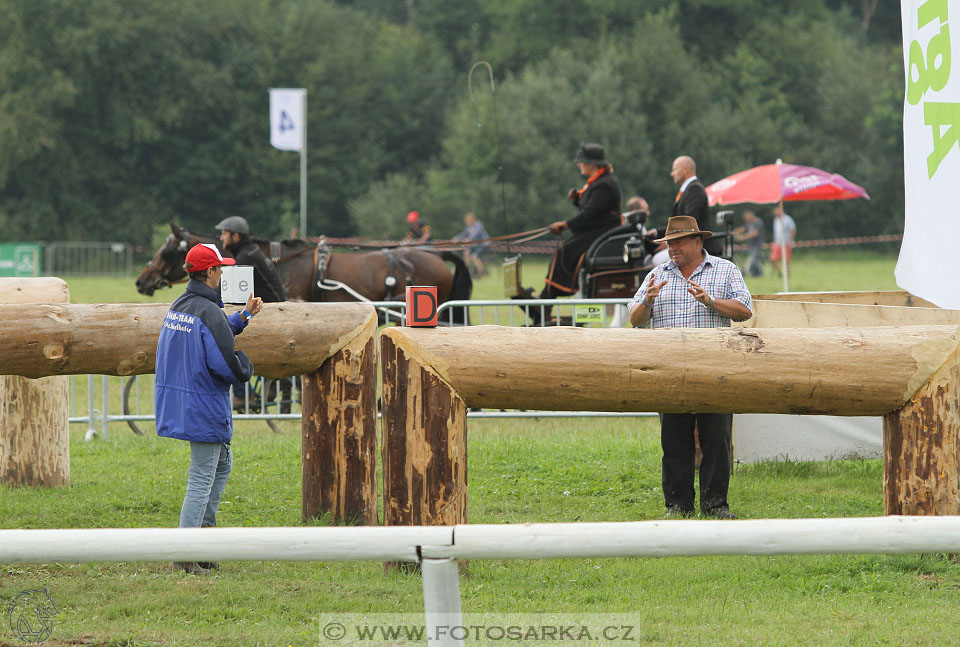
[
  {"x": 331, "y": 345},
  {"x": 908, "y": 374}
]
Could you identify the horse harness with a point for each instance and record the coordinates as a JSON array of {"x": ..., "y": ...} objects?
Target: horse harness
[
  {"x": 321, "y": 257},
  {"x": 396, "y": 263},
  {"x": 165, "y": 274}
]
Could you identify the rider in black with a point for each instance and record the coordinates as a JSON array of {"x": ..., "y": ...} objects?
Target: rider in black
[
  {"x": 598, "y": 210},
  {"x": 235, "y": 238}
]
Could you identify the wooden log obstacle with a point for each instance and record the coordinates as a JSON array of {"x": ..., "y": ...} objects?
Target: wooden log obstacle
[
  {"x": 332, "y": 345},
  {"x": 34, "y": 414},
  {"x": 910, "y": 375}
]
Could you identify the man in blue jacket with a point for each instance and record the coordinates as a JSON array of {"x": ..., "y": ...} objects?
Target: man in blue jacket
[{"x": 196, "y": 366}]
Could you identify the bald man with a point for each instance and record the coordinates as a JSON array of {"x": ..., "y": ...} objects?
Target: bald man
[{"x": 692, "y": 198}]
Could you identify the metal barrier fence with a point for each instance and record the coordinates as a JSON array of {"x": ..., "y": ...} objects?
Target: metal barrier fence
[
  {"x": 88, "y": 259},
  {"x": 110, "y": 399}
]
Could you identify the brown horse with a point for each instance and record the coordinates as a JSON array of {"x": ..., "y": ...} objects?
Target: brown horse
[{"x": 376, "y": 276}]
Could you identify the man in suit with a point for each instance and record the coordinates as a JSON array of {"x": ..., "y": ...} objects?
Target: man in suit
[{"x": 692, "y": 199}]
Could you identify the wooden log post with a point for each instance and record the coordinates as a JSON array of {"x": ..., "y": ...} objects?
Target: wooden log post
[
  {"x": 430, "y": 376},
  {"x": 424, "y": 441},
  {"x": 285, "y": 339},
  {"x": 339, "y": 433},
  {"x": 921, "y": 448},
  {"x": 34, "y": 413}
]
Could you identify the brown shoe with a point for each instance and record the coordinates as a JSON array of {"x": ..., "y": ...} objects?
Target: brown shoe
[
  {"x": 191, "y": 568},
  {"x": 676, "y": 512},
  {"x": 720, "y": 512}
]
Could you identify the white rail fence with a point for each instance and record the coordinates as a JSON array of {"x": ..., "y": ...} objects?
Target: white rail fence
[{"x": 436, "y": 548}]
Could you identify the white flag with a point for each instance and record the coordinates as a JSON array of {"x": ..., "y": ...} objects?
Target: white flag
[
  {"x": 287, "y": 118},
  {"x": 931, "y": 150}
]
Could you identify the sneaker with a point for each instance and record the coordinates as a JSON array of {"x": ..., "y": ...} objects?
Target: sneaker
[
  {"x": 676, "y": 512},
  {"x": 720, "y": 512}
]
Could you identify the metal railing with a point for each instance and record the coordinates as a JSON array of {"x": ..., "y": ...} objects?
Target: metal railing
[
  {"x": 110, "y": 400},
  {"x": 88, "y": 259}
]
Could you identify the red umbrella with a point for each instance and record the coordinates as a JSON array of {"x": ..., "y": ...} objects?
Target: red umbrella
[{"x": 772, "y": 183}]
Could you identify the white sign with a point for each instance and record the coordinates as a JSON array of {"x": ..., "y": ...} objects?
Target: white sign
[
  {"x": 588, "y": 314},
  {"x": 287, "y": 118},
  {"x": 931, "y": 150},
  {"x": 236, "y": 283}
]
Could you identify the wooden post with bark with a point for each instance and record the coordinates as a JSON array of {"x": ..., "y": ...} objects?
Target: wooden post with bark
[
  {"x": 333, "y": 344},
  {"x": 424, "y": 441},
  {"x": 339, "y": 415},
  {"x": 430, "y": 376},
  {"x": 34, "y": 413}
]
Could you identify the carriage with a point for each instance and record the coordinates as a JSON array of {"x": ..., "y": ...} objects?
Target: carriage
[{"x": 614, "y": 266}]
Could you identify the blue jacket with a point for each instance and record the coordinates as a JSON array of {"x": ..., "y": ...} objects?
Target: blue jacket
[{"x": 196, "y": 365}]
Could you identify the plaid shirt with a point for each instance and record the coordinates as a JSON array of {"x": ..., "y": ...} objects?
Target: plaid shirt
[{"x": 676, "y": 308}]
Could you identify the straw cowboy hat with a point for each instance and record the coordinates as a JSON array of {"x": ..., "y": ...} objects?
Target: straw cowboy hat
[{"x": 681, "y": 226}]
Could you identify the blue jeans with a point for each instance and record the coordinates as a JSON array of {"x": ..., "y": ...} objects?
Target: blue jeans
[{"x": 210, "y": 465}]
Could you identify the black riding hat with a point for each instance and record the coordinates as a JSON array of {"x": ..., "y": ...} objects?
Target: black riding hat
[{"x": 591, "y": 154}]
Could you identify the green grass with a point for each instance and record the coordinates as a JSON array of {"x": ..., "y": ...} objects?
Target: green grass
[{"x": 520, "y": 471}]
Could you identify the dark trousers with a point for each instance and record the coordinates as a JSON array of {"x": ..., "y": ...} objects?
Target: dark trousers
[{"x": 679, "y": 456}]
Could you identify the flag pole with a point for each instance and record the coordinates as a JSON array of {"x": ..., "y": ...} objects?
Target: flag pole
[{"x": 303, "y": 166}]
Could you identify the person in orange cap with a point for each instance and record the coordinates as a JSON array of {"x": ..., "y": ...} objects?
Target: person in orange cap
[{"x": 419, "y": 232}]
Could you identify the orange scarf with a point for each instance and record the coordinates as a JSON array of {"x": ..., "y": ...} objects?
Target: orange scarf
[{"x": 593, "y": 178}]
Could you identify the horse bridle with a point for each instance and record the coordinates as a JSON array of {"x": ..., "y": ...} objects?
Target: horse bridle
[{"x": 164, "y": 280}]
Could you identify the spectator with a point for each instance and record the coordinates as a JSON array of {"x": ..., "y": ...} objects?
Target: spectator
[
  {"x": 419, "y": 231},
  {"x": 752, "y": 232},
  {"x": 693, "y": 290},
  {"x": 655, "y": 253},
  {"x": 196, "y": 364},
  {"x": 691, "y": 199},
  {"x": 784, "y": 233},
  {"x": 474, "y": 231}
]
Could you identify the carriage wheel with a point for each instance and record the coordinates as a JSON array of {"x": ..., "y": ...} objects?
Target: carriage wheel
[{"x": 131, "y": 381}]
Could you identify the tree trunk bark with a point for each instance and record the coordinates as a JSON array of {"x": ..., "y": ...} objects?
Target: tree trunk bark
[
  {"x": 34, "y": 414},
  {"x": 339, "y": 428},
  {"x": 921, "y": 449},
  {"x": 424, "y": 443}
]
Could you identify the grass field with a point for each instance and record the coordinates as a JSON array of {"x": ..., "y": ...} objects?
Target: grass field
[{"x": 520, "y": 471}]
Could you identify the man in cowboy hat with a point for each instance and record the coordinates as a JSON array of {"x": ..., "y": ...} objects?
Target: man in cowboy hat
[{"x": 693, "y": 289}]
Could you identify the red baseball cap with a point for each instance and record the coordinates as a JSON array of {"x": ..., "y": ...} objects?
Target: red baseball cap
[
  {"x": 413, "y": 216},
  {"x": 204, "y": 256}
]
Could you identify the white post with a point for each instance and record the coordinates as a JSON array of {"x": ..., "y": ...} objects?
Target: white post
[
  {"x": 303, "y": 167},
  {"x": 441, "y": 601}
]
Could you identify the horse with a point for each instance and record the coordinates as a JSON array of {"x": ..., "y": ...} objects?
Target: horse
[{"x": 378, "y": 275}]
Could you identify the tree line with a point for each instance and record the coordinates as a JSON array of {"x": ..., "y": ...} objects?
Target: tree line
[{"x": 119, "y": 115}]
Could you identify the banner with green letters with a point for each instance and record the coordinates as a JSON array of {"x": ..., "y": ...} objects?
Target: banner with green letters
[{"x": 931, "y": 150}]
